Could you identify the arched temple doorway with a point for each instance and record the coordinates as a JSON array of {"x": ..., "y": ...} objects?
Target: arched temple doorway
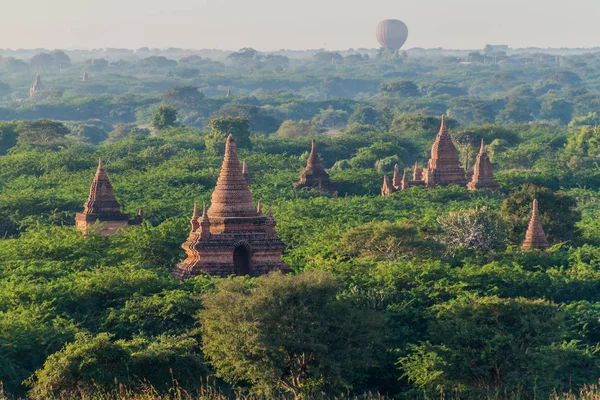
[{"x": 241, "y": 260}]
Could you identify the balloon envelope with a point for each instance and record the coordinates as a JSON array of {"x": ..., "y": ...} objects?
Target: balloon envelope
[{"x": 392, "y": 33}]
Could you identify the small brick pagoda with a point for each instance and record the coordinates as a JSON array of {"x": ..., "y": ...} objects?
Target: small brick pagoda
[
  {"x": 444, "y": 169},
  {"x": 315, "y": 176},
  {"x": 102, "y": 207},
  {"x": 483, "y": 172},
  {"x": 535, "y": 238},
  {"x": 232, "y": 237}
]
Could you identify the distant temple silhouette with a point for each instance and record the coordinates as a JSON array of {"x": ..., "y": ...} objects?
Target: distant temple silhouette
[
  {"x": 36, "y": 87},
  {"x": 444, "y": 169},
  {"x": 231, "y": 237},
  {"x": 102, "y": 207}
]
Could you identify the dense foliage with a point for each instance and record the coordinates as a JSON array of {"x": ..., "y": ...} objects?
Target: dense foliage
[{"x": 423, "y": 292}]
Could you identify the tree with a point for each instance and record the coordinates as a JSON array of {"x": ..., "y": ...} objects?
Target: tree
[
  {"x": 41, "y": 132},
  {"x": 5, "y": 89},
  {"x": 8, "y": 136},
  {"x": 221, "y": 128},
  {"x": 516, "y": 111},
  {"x": 164, "y": 117},
  {"x": 122, "y": 131},
  {"x": 364, "y": 115},
  {"x": 61, "y": 59},
  {"x": 157, "y": 62},
  {"x": 287, "y": 333},
  {"x": 330, "y": 118},
  {"x": 302, "y": 128},
  {"x": 556, "y": 108},
  {"x": 558, "y": 214},
  {"x": 387, "y": 241},
  {"x": 400, "y": 88},
  {"x": 42, "y": 61},
  {"x": 183, "y": 97},
  {"x": 471, "y": 110},
  {"x": 259, "y": 118},
  {"x": 327, "y": 57},
  {"x": 92, "y": 365},
  {"x": 495, "y": 346},
  {"x": 475, "y": 230}
]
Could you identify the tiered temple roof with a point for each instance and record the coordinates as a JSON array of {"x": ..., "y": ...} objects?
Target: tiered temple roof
[
  {"x": 535, "y": 238},
  {"x": 314, "y": 175},
  {"x": 102, "y": 207},
  {"x": 483, "y": 172},
  {"x": 234, "y": 238}
]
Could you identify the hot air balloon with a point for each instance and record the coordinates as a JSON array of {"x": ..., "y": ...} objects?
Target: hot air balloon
[{"x": 392, "y": 33}]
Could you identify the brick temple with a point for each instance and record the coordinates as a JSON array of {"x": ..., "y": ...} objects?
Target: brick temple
[
  {"x": 102, "y": 212},
  {"x": 443, "y": 169},
  {"x": 232, "y": 237},
  {"x": 315, "y": 176}
]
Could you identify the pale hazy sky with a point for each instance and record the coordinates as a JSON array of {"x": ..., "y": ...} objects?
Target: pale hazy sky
[{"x": 295, "y": 24}]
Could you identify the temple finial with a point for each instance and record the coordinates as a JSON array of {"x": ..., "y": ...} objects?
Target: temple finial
[
  {"x": 259, "y": 208},
  {"x": 100, "y": 163},
  {"x": 204, "y": 212},
  {"x": 482, "y": 148},
  {"x": 270, "y": 212},
  {"x": 244, "y": 167},
  {"x": 195, "y": 214},
  {"x": 396, "y": 181}
]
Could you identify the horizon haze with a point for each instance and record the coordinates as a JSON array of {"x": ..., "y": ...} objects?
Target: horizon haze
[{"x": 270, "y": 25}]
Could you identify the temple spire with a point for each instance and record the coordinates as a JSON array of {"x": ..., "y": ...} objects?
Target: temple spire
[
  {"x": 313, "y": 158},
  {"x": 195, "y": 216},
  {"x": 101, "y": 199},
  {"x": 417, "y": 176},
  {"x": 85, "y": 76},
  {"x": 231, "y": 198},
  {"x": 535, "y": 238},
  {"x": 482, "y": 176},
  {"x": 396, "y": 181},
  {"x": 386, "y": 189},
  {"x": 204, "y": 222},
  {"x": 404, "y": 184},
  {"x": 228, "y": 92},
  {"x": 259, "y": 208},
  {"x": 246, "y": 173}
]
